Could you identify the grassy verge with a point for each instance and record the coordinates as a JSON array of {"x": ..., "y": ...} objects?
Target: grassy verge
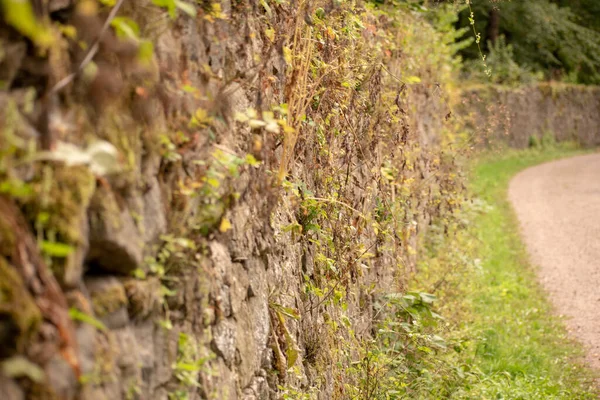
[
  {"x": 508, "y": 344},
  {"x": 520, "y": 337}
]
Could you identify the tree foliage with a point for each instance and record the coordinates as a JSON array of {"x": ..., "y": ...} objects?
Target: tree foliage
[{"x": 559, "y": 38}]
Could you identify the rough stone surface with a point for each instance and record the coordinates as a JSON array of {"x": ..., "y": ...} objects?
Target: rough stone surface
[
  {"x": 109, "y": 301},
  {"x": 224, "y": 335},
  {"x": 115, "y": 241},
  {"x": 62, "y": 378},
  {"x": 514, "y": 116},
  {"x": 10, "y": 390}
]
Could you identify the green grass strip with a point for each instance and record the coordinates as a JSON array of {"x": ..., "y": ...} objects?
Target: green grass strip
[{"x": 522, "y": 349}]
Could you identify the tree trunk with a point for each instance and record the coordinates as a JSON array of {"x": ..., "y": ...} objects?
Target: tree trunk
[{"x": 493, "y": 25}]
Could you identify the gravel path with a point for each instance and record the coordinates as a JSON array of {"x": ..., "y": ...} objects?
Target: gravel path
[{"x": 558, "y": 206}]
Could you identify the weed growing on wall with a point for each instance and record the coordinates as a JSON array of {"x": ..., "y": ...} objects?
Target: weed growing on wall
[{"x": 363, "y": 205}]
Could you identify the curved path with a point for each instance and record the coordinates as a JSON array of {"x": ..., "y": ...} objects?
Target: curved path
[{"x": 558, "y": 206}]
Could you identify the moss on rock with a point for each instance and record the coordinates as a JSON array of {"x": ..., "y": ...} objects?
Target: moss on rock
[
  {"x": 60, "y": 208},
  {"x": 17, "y": 306},
  {"x": 107, "y": 294}
]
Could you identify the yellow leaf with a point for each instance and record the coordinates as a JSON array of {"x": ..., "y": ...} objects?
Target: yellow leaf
[
  {"x": 288, "y": 129},
  {"x": 202, "y": 115},
  {"x": 216, "y": 11},
  {"x": 69, "y": 31},
  {"x": 225, "y": 225},
  {"x": 251, "y": 113},
  {"x": 256, "y": 123},
  {"x": 241, "y": 117},
  {"x": 268, "y": 116},
  {"x": 270, "y": 33},
  {"x": 287, "y": 55}
]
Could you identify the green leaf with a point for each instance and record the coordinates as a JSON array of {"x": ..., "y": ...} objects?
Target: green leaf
[
  {"x": 252, "y": 161},
  {"x": 169, "y": 5},
  {"x": 145, "y": 51},
  {"x": 287, "y": 311},
  {"x": 125, "y": 28},
  {"x": 166, "y": 324},
  {"x": 20, "y": 15},
  {"x": 16, "y": 188},
  {"x": 54, "y": 249},
  {"x": 214, "y": 182},
  {"x": 427, "y": 298},
  {"x": 291, "y": 353},
  {"x": 77, "y": 315},
  {"x": 186, "y": 8}
]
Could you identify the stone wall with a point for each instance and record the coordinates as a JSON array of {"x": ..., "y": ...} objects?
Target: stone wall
[
  {"x": 514, "y": 115},
  {"x": 207, "y": 266}
]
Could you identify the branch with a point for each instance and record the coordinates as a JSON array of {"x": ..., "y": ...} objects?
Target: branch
[{"x": 91, "y": 52}]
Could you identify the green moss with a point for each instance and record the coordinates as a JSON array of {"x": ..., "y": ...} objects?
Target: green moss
[
  {"x": 120, "y": 130},
  {"x": 145, "y": 296},
  {"x": 62, "y": 196},
  {"x": 109, "y": 300},
  {"x": 17, "y": 303},
  {"x": 65, "y": 198}
]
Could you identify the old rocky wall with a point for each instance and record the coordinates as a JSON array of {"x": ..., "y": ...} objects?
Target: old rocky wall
[
  {"x": 198, "y": 269},
  {"x": 522, "y": 116}
]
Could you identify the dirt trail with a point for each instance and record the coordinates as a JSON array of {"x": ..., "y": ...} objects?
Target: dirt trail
[{"x": 558, "y": 206}]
